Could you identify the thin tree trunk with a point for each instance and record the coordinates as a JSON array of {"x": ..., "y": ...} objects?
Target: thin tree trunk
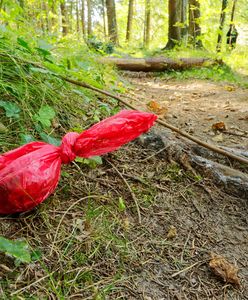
[
  {"x": 77, "y": 15},
  {"x": 89, "y": 7},
  {"x": 112, "y": 23},
  {"x": 129, "y": 20},
  {"x": 194, "y": 24},
  {"x": 184, "y": 29},
  {"x": 222, "y": 21},
  {"x": 63, "y": 16},
  {"x": 147, "y": 27},
  {"x": 104, "y": 19},
  {"x": 174, "y": 32},
  {"x": 83, "y": 17}
]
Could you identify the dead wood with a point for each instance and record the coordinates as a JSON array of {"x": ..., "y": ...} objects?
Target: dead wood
[
  {"x": 186, "y": 154},
  {"x": 158, "y": 64}
]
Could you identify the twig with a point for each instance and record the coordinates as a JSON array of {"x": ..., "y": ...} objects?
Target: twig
[
  {"x": 129, "y": 188},
  {"x": 32, "y": 284},
  {"x": 61, "y": 220},
  {"x": 187, "y": 268}
]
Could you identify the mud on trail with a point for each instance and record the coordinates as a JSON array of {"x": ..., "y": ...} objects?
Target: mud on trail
[{"x": 91, "y": 244}]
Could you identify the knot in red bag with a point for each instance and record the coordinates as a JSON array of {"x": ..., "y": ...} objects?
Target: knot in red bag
[{"x": 29, "y": 174}]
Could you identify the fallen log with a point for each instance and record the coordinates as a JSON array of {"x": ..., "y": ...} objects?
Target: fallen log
[
  {"x": 158, "y": 64},
  {"x": 186, "y": 154}
]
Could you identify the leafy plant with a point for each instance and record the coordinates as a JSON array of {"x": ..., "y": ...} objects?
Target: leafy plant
[
  {"x": 11, "y": 109},
  {"x": 92, "y": 162},
  {"x": 17, "y": 249},
  {"x": 45, "y": 116}
]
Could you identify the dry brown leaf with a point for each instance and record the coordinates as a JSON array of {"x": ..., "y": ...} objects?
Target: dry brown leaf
[
  {"x": 225, "y": 270},
  {"x": 157, "y": 108},
  {"x": 172, "y": 232},
  {"x": 220, "y": 126}
]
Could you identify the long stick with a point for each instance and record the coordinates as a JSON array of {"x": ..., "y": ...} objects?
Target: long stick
[{"x": 165, "y": 124}]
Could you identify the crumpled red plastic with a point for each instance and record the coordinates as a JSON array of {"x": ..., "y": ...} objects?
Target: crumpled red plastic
[{"x": 29, "y": 174}]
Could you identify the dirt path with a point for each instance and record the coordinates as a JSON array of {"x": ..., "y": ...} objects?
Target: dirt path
[{"x": 195, "y": 105}]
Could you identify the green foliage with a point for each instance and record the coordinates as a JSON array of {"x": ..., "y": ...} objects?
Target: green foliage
[
  {"x": 11, "y": 109},
  {"x": 45, "y": 116},
  {"x": 92, "y": 162},
  {"x": 16, "y": 249}
]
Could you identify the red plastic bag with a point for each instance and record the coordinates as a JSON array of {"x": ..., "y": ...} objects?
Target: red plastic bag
[{"x": 29, "y": 174}]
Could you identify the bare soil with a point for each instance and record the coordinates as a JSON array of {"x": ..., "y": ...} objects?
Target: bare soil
[
  {"x": 92, "y": 246},
  {"x": 195, "y": 105}
]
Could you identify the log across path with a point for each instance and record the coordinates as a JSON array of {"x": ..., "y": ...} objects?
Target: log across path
[{"x": 158, "y": 64}]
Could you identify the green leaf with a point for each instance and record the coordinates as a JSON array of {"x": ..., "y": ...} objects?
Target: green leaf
[
  {"x": 11, "y": 109},
  {"x": 45, "y": 115},
  {"x": 121, "y": 204},
  {"x": 92, "y": 162},
  {"x": 40, "y": 70},
  {"x": 49, "y": 139},
  {"x": 24, "y": 44},
  {"x": 17, "y": 249},
  {"x": 26, "y": 138}
]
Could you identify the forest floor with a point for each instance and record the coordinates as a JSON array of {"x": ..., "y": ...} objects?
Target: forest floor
[
  {"x": 195, "y": 106},
  {"x": 90, "y": 242}
]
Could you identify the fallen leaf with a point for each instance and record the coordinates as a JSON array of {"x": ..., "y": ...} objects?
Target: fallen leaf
[
  {"x": 225, "y": 270},
  {"x": 155, "y": 107},
  {"x": 220, "y": 126},
  {"x": 172, "y": 232},
  {"x": 229, "y": 88},
  {"x": 218, "y": 138}
]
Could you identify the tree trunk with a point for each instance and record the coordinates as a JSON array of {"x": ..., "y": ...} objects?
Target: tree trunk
[
  {"x": 147, "y": 27},
  {"x": 222, "y": 21},
  {"x": 77, "y": 15},
  {"x": 89, "y": 7},
  {"x": 194, "y": 24},
  {"x": 197, "y": 159},
  {"x": 112, "y": 23},
  {"x": 174, "y": 32},
  {"x": 21, "y": 3},
  {"x": 184, "y": 29},
  {"x": 157, "y": 64},
  {"x": 104, "y": 19},
  {"x": 63, "y": 16},
  {"x": 83, "y": 17},
  {"x": 129, "y": 20}
]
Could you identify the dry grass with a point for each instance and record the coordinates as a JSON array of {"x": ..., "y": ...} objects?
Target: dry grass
[{"x": 93, "y": 248}]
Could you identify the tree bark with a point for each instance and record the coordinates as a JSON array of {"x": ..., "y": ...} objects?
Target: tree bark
[
  {"x": 83, "y": 17},
  {"x": 129, "y": 20},
  {"x": 194, "y": 24},
  {"x": 157, "y": 64},
  {"x": 112, "y": 23},
  {"x": 147, "y": 27},
  {"x": 89, "y": 10},
  {"x": 63, "y": 16},
  {"x": 222, "y": 21},
  {"x": 77, "y": 15},
  {"x": 104, "y": 19},
  {"x": 174, "y": 32},
  {"x": 184, "y": 29}
]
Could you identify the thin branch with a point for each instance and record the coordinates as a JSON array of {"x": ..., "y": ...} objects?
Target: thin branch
[{"x": 129, "y": 188}]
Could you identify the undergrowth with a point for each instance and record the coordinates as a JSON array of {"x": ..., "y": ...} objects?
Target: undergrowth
[{"x": 36, "y": 104}]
